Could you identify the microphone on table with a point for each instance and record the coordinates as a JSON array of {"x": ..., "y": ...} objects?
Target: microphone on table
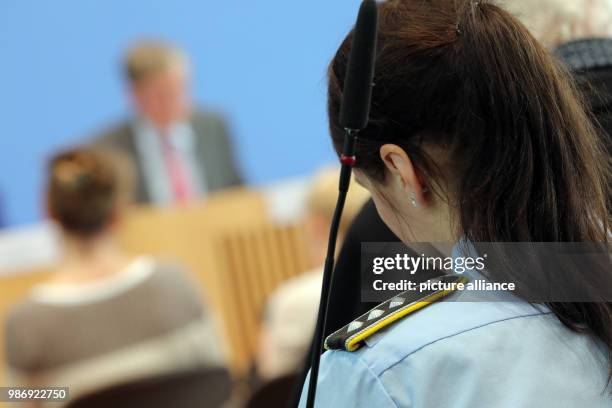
[{"x": 354, "y": 114}]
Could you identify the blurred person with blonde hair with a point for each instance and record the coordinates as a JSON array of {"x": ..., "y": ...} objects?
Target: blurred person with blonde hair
[
  {"x": 557, "y": 22},
  {"x": 290, "y": 313},
  {"x": 181, "y": 154},
  {"x": 104, "y": 317},
  {"x": 320, "y": 206}
]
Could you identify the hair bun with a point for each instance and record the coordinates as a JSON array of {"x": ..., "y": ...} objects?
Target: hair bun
[{"x": 83, "y": 190}]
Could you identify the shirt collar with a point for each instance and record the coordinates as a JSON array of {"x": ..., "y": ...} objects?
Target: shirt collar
[
  {"x": 179, "y": 134},
  {"x": 465, "y": 248}
]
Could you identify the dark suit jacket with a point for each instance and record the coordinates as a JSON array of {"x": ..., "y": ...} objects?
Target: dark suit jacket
[{"x": 213, "y": 150}]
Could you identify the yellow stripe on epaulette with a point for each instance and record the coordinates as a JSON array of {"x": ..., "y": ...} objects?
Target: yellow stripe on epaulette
[{"x": 351, "y": 336}]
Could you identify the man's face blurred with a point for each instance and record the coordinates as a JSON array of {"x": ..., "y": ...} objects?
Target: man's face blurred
[{"x": 163, "y": 97}]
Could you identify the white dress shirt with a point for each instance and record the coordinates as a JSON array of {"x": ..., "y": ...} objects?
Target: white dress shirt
[{"x": 150, "y": 149}]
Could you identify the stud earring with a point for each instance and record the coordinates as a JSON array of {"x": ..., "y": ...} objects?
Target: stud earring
[{"x": 413, "y": 200}]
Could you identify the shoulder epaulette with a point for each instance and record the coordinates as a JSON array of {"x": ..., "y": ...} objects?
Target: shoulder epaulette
[{"x": 351, "y": 336}]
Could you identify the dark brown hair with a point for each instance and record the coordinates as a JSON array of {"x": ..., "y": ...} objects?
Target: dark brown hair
[
  {"x": 84, "y": 190},
  {"x": 522, "y": 158}
]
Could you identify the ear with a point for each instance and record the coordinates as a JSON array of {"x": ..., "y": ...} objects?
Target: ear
[{"x": 398, "y": 163}]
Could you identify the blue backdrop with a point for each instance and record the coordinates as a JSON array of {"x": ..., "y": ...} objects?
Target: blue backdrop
[{"x": 261, "y": 63}]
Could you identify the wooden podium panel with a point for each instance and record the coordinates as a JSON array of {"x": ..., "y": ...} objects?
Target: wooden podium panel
[
  {"x": 253, "y": 263},
  {"x": 233, "y": 249}
]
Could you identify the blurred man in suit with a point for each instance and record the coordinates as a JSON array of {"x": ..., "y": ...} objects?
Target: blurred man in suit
[{"x": 180, "y": 154}]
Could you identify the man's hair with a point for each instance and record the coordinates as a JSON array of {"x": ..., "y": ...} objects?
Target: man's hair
[
  {"x": 150, "y": 57},
  {"x": 554, "y": 22}
]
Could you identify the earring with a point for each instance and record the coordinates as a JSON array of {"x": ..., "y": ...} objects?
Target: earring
[{"x": 413, "y": 200}]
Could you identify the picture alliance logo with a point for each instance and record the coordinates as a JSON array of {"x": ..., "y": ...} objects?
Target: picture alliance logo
[{"x": 412, "y": 264}]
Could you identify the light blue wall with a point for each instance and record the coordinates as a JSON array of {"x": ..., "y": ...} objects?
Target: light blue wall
[{"x": 262, "y": 63}]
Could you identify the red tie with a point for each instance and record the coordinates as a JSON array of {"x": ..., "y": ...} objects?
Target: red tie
[{"x": 177, "y": 172}]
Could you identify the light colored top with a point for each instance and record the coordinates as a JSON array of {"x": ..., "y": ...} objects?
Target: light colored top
[
  {"x": 468, "y": 355},
  {"x": 150, "y": 149},
  {"x": 143, "y": 321},
  {"x": 289, "y": 322},
  {"x": 132, "y": 275}
]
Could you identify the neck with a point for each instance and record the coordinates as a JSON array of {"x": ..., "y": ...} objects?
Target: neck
[
  {"x": 161, "y": 127},
  {"x": 429, "y": 225},
  {"x": 90, "y": 258}
]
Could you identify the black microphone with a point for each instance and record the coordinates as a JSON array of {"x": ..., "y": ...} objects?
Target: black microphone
[
  {"x": 354, "y": 114},
  {"x": 357, "y": 94}
]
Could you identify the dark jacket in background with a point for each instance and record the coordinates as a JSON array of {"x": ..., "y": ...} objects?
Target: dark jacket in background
[{"x": 213, "y": 152}]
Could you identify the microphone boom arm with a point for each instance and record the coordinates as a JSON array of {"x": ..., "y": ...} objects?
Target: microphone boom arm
[
  {"x": 354, "y": 115},
  {"x": 348, "y": 161}
]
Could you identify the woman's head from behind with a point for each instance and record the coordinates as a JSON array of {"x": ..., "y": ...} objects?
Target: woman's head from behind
[
  {"x": 474, "y": 130},
  {"x": 86, "y": 190}
]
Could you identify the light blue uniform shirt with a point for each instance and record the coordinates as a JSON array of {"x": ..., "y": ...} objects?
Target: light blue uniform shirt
[{"x": 468, "y": 355}]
